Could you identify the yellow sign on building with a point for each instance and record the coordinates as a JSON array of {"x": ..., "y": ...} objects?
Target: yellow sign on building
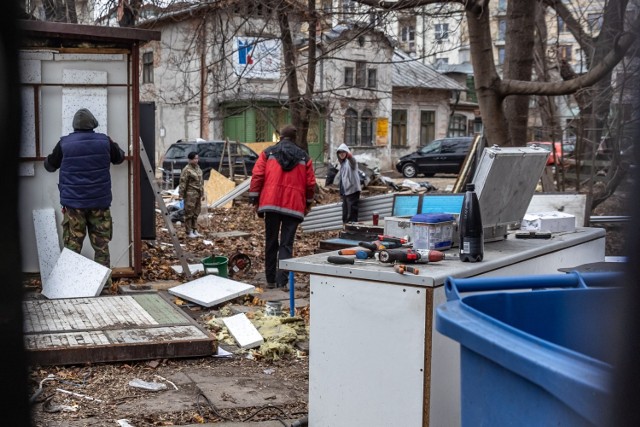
[{"x": 382, "y": 131}]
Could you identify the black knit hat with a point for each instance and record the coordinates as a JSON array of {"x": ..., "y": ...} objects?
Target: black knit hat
[
  {"x": 289, "y": 131},
  {"x": 84, "y": 120}
]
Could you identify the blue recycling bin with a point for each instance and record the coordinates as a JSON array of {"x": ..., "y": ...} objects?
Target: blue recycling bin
[{"x": 539, "y": 351}]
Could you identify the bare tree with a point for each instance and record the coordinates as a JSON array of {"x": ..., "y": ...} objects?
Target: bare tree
[{"x": 60, "y": 10}]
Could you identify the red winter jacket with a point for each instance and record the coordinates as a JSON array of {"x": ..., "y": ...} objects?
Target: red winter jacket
[{"x": 283, "y": 180}]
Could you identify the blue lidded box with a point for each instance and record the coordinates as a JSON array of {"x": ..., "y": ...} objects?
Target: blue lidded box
[{"x": 432, "y": 231}]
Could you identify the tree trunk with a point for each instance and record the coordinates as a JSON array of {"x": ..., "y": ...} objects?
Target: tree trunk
[
  {"x": 487, "y": 80},
  {"x": 518, "y": 65},
  {"x": 296, "y": 103}
]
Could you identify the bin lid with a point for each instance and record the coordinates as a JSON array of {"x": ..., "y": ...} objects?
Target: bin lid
[{"x": 433, "y": 218}]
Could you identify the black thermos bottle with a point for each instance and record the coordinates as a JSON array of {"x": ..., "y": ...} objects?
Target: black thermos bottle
[{"x": 470, "y": 228}]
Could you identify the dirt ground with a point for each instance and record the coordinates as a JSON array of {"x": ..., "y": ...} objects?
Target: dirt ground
[{"x": 109, "y": 382}]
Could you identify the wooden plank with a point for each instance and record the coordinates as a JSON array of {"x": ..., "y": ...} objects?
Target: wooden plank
[
  {"x": 111, "y": 328},
  {"x": 157, "y": 309}
]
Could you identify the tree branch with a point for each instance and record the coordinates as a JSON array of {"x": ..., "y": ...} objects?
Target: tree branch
[
  {"x": 585, "y": 41},
  {"x": 410, "y": 4},
  {"x": 620, "y": 47}
]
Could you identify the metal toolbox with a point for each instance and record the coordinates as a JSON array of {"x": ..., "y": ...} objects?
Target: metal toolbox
[{"x": 505, "y": 181}]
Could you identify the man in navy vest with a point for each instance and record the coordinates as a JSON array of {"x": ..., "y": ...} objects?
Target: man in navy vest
[{"x": 84, "y": 159}]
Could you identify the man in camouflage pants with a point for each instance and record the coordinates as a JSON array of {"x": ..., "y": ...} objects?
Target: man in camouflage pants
[
  {"x": 84, "y": 159},
  {"x": 192, "y": 192}
]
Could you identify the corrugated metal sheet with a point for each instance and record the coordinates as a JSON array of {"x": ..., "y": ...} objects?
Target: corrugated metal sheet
[
  {"x": 411, "y": 73},
  {"x": 243, "y": 187},
  {"x": 329, "y": 217}
]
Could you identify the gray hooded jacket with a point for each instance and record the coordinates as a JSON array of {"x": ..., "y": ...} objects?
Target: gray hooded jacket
[{"x": 348, "y": 173}]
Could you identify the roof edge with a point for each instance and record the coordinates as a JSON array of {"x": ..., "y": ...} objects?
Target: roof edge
[{"x": 45, "y": 29}]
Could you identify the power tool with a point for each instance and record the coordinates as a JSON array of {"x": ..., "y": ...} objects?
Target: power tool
[{"x": 410, "y": 256}]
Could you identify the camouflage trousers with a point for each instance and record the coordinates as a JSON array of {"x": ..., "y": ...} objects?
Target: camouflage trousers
[
  {"x": 192, "y": 208},
  {"x": 98, "y": 222}
]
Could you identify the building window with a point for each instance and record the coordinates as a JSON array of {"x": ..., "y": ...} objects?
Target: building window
[
  {"x": 348, "y": 7},
  {"x": 351, "y": 127},
  {"x": 594, "y": 20},
  {"x": 399, "y": 128},
  {"x": 441, "y": 62},
  {"x": 427, "y": 127},
  {"x": 500, "y": 55},
  {"x": 147, "y": 67},
  {"x": 408, "y": 36},
  {"x": 372, "y": 78},
  {"x": 457, "y": 126},
  {"x": 442, "y": 32},
  {"x": 361, "y": 73},
  {"x": 502, "y": 28},
  {"x": 562, "y": 28},
  {"x": 565, "y": 53},
  {"x": 348, "y": 76},
  {"x": 366, "y": 128}
]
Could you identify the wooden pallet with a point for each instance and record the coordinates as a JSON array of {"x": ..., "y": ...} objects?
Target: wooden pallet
[{"x": 110, "y": 329}]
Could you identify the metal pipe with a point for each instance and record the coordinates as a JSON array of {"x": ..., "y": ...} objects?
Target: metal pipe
[{"x": 292, "y": 291}]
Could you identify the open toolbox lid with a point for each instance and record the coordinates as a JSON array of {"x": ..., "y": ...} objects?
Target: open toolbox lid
[{"x": 505, "y": 181}]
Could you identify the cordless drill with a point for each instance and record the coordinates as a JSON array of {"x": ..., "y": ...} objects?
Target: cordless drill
[{"x": 409, "y": 256}]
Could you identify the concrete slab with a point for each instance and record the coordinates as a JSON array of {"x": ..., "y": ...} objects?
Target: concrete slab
[
  {"x": 225, "y": 234},
  {"x": 211, "y": 290},
  {"x": 47, "y": 241},
  {"x": 243, "y": 331},
  {"x": 75, "y": 276},
  {"x": 193, "y": 268},
  {"x": 247, "y": 391}
]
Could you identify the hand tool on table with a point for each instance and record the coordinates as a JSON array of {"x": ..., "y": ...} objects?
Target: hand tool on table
[
  {"x": 533, "y": 235},
  {"x": 335, "y": 259},
  {"x": 387, "y": 238},
  {"x": 360, "y": 253},
  {"x": 402, "y": 268},
  {"x": 409, "y": 256},
  {"x": 378, "y": 245}
]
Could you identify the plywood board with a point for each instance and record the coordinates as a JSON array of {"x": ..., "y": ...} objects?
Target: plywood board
[
  {"x": 217, "y": 186},
  {"x": 110, "y": 328},
  {"x": 259, "y": 147},
  {"x": 211, "y": 290}
]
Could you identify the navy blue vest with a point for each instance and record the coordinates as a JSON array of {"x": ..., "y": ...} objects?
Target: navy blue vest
[{"x": 85, "y": 177}]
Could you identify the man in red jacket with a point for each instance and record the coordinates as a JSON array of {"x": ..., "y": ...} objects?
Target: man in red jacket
[{"x": 282, "y": 189}]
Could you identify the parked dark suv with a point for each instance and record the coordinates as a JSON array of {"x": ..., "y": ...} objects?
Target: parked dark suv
[
  {"x": 439, "y": 156},
  {"x": 210, "y": 153}
]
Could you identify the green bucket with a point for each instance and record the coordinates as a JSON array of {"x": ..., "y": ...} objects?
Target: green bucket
[{"x": 218, "y": 262}]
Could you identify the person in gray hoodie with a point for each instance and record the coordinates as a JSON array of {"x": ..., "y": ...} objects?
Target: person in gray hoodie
[{"x": 349, "y": 184}]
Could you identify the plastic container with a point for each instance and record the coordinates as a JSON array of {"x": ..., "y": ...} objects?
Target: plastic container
[
  {"x": 539, "y": 357},
  {"x": 221, "y": 263},
  {"x": 432, "y": 231}
]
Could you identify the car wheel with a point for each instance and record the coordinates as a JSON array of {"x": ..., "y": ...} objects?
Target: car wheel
[{"x": 409, "y": 170}]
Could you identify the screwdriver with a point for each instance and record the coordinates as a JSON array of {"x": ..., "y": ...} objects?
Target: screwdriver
[
  {"x": 333, "y": 259},
  {"x": 359, "y": 253},
  {"x": 402, "y": 268}
]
